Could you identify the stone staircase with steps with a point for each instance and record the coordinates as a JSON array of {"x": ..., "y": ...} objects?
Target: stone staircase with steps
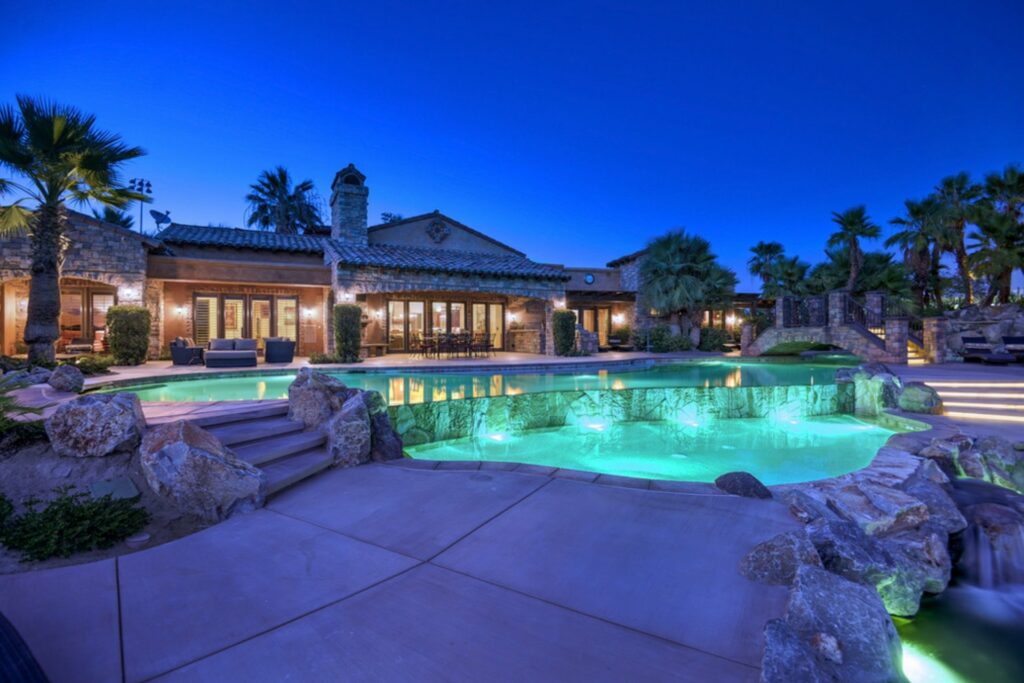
[
  {"x": 263, "y": 436},
  {"x": 915, "y": 354},
  {"x": 983, "y": 400}
]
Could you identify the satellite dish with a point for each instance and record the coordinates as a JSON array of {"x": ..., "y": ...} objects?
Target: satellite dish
[{"x": 160, "y": 218}]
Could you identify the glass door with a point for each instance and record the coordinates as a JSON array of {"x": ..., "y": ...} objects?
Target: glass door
[
  {"x": 287, "y": 318},
  {"x": 234, "y": 318},
  {"x": 458, "y": 318},
  {"x": 100, "y": 304},
  {"x": 71, "y": 318},
  {"x": 417, "y": 318},
  {"x": 259, "y": 319},
  {"x": 438, "y": 317},
  {"x": 479, "y": 320},
  {"x": 204, "y": 319},
  {"x": 496, "y": 325},
  {"x": 396, "y": 326}
]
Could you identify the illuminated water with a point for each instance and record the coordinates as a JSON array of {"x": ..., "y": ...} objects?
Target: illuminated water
[
  {"x": 776, "y": 452},
  {"x": 412, "y": 387}
]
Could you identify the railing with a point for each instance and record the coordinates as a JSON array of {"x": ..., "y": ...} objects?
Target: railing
[
  {"x": 853, "y": 312},
  {"x": 811, "y": 311}
]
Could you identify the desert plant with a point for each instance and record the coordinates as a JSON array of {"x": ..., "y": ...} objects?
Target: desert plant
[
  {"x": 68, "y": 524},
  {"x": 564, "y": 331},
  {"x": 348, "y": 326},
  {"x": 128, "y": 334},
  {"x": 94, "y": 364},
  {"x": 62, "y": 157}
]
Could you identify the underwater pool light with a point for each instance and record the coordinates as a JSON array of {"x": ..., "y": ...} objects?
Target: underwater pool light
[
  {"x": 688, "y": 417},
  {"x": 497, "y": 436},
  {"x": 921, "y": 667},
  {"x": 595, "y": 425}
]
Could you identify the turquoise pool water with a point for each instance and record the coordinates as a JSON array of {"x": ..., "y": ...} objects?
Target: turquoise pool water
[
  {"x": 775, "y": 451},
  {"x": 411, "y": 387}
]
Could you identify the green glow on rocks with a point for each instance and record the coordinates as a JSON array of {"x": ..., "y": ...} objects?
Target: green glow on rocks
[{"x": 922, "y": 667}]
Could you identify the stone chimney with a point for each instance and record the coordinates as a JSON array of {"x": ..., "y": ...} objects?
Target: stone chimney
[{"x": 349, "y": 197}]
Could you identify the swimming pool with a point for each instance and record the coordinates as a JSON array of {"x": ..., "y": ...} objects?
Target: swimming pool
[
  {"x": 773, "y": 450},
  {"x": 410, "y": 387}
]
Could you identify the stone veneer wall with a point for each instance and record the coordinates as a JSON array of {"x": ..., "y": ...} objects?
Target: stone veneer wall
[{"x": 437, "y": 421}]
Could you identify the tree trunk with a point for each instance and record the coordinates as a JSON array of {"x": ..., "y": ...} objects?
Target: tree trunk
[
  {"x": 965, "y": 272},
  {"x": 42, "y": 327},
  {"x": 1005, "y": 280},
  {"x": 855, "y": 266}
]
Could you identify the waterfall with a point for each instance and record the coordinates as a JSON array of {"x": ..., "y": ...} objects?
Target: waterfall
[{"x": 993, "y": 557}]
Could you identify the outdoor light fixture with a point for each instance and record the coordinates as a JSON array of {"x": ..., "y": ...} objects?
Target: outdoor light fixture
[
  {"x": 181, "y": 311},
  {"x": 142, "y": 186},
  {"x": 512, "y": 317},
  {"x": 559, "y": 303},
  {"x": 307, "y": 313},
  {"x": 129, "y": 293},
  {"x": 618, "y": 318},
  {"x": 730, "y": 320},
  {"x": 347, "y": 296}
]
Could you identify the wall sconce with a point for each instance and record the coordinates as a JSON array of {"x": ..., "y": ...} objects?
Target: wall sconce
[
  {"x": 348, "y": 297},
  {"x": 307, "y": 313},
  {"x": 22, "y": 305},
  {"x": 512, "y": 317},
  {"x": 378, "y": 314},
  {"x": 128, "y": 293},
  {"x": 559, "y": 303},
  {"x": 618, "y": 318},
  {"x": 181, "y": 311},
  {"x": 730, "y": 320}
]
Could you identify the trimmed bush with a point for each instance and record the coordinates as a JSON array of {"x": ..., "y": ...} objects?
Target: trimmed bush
[
  {"x": 324, "y": 358},
  {"x": 128, "y": 334},
  {"x": 662, "y": 340},
  {"x": 348, "y": 328},
  {"x": 70, "y": 523},
  {"x": 713, "y": 339},
  {"x": 623, "y": 333},
  {"x": 94, "y": 364},
  {"x": 564, "y": 330}
]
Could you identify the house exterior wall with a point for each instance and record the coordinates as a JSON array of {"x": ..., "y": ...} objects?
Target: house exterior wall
[{"x": 415, "y": 234}]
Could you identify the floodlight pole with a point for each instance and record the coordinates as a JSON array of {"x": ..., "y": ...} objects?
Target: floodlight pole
[{"x": 142, "y": 186}]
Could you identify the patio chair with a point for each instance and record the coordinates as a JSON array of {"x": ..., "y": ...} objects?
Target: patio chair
[
  {"x": 185, "y": 352},
  {"x": 278, "y": 350},
  {"x": 1015, "y": 347},
  {"x": 481, "y": 344},
  {"x": 979, "y": 350},
  {"x": 416, "y": 347}
]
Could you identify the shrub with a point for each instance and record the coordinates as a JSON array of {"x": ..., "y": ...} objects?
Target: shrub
[
  {"x": 661, "y": 340},
  {"x": 564, "y": 331},
  {"x": 70, "y": 523},
  {"x": 623, "y": 333},
  {"x": 128, "y": 334},
  {"x": 10, "y": 406},
  {"x": 94, "y": 364},
  {"x": 348, "y": 326},
  {"x": 9, "y": 363},
  {"x": 712, "y": 339},
  {"x": 324, "y": 358}
]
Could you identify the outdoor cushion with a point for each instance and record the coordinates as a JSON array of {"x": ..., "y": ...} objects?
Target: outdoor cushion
[
  {"x": 222, "y": 344},
  {"x": 245, "y": 345},
  {"x": 230, "y": 354}
]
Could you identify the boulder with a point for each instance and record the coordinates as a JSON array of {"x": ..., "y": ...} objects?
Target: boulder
[
  {"x": 777, "y": 560},
  {"x": 385, "y": 443},
  {"x": 67, "y": 378},
  {"x": 27, "y": 377},
  {"x": 834, "y": 630},
  {"x": 742, "y": 484},
  {"x": 95, "y": 425},
  {"x": 348, "y": 433},
  {"x": 190, "y": 467},
  {"x": 314, "y": 397},
  {"x": 876, "y": 509},
  {"x": 918, "y": 397}
]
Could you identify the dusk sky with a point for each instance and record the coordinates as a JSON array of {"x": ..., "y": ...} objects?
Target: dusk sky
[{"x": 572, "y": 131}]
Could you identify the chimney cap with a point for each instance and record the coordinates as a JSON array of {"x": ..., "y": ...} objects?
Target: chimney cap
[{"x": 350, "y": 175}]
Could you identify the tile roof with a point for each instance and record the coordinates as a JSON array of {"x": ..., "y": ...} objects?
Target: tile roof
[
  {"x": 622, "y": 260},
  {"x": 373, "y": 255},
  {"x": 443, "y": 260}
]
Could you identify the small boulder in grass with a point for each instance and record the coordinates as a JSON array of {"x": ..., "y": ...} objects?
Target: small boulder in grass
[
  {"x": 743, "y": 484},
  {"x": 67, "y": 378}
]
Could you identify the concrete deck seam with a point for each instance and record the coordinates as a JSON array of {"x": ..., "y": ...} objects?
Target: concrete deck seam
[
  {"x": 343, "y": 534},
  {"x": 120, "y": 619}
]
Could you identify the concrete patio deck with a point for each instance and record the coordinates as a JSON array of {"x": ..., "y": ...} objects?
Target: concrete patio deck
[{"x": 387, "y": 572}]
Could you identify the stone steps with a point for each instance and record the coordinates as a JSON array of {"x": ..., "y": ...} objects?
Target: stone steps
[
  {"x": 285, "y": 472},
  {"x": 247, "y": 431},
  {"x": 279, "y": 447},
  {"x": 229, "y": 416},
  {"x": 983, "y": 400}
]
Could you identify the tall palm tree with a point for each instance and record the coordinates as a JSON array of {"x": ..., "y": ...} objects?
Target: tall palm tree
[
  {"x": 787, "y": 277},
  {"x": 275, "y": 205},
  {"x": 62, "y": 157},
  {"x": 765, "y": 256},
  {"x": 116, "y": 216},
  {"x": 682, "y": 277},
  {"x": 957, "y": 194},
  {"x": 854, "y": 225},
  {"x": 999, "y": 238},
  {"x": 917, "y": 234}
]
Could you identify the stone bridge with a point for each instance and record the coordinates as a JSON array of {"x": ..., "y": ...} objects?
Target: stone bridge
[{"x": 874, "y": 330}]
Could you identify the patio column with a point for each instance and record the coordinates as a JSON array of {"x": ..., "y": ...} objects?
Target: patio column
[
  {"x": 780, "y": 311},
  {"x": 896, "y": 332},
  {"x": 548, "y": 333},
  {"x": 746, "y": 337},
  {"x": 837, "y": 308},
  {"x": 936, "y": 331}
]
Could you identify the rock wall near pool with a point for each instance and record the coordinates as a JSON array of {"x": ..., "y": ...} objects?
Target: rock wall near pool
[{"x": 437, "y": 421}]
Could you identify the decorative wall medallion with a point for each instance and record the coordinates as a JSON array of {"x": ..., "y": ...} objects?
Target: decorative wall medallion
[
  {"x": 589, "y": 278},
  {"x": 438, "y": 230}
]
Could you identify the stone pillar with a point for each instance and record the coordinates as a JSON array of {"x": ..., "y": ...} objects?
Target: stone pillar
[
  {"x": 874, "y": 307},
  {"x": 837, "y": 307},
  {"x": 155, "y": 304},
  {"x": 936, "y": 331},
  {"x": 547, "y": 346},
  {"x": 746, "y": 337},
  {"x": 896, "y": 332}
]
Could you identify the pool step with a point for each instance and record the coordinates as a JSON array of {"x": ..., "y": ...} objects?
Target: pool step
[
  {"x": 229, "y": 416},
  {"x": 253, "y": 430},
  {"x": 285, "y": 472},
  {"x": 278, "y": 447}
]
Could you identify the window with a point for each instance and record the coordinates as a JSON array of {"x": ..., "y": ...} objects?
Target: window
[
  {"x": 458, "y": 318},
  {"x": 439, "y": 317},
  {"x": 234, "y": 318},
  {"x": 100, "y": 304},
  {"x": 288, "y": 318},
  {"x": 204, "y": 325},
  {"x": 416, "y": 320},
  {"x": 259, "y": 319},
  {"x": 479, "y": 319},
  {"x": 496, "y": 325},
  {"x": 396, "y": 326}
]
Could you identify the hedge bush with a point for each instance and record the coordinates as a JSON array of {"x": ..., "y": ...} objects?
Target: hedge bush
[
  {"x": 94, "y": 364},
  {"x": 70, "y": 523},
  {"x": 662, "y": 340},
  {"x": 128, "y": 334},
  {"x": 348, "y": 327},
  {"x": 324, "y": 358},
  {"x": 713, "y": 339},
  {"x": 564, "y": 329}
]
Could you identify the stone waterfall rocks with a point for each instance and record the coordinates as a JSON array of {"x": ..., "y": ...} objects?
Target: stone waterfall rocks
[
  {"x": 67, "y": 378},
  {"x": 314, "y": 397},
  {"x": 777, "y": 560},
  {"x": 834, "y": 630},
  {"x": 349, "y": 434},
  {"x": 96, "y": 425},
  {"x": 192, "y": 468},
  {"x": 918, "y": 397}
]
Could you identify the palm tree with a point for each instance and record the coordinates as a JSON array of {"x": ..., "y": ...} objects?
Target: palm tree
[
  {"x": 917, "y": 235},
  {"x": 787, "y": 277},
  {"x": 957, "y": 194},
  {"x": 854, "y": 225},
  {"x": 682, "y": 277},
  {"x": 116, "y": 216},
  {"x": 999, "y": 238},
  {"x": 63, "y": 157},
  {"x": 275, "y": 205},
  {"x": 765, "y": 256}
]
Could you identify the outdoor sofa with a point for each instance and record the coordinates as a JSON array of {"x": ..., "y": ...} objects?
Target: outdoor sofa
[
  {"x": 1015, "y": 347},
  {"x": 185, "y": 352},
  {"x": 278, "y": 350},
  {"x": 231, "y": 353}
]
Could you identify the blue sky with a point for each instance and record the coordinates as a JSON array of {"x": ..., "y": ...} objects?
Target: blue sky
[{"x": 573, "y": 131}]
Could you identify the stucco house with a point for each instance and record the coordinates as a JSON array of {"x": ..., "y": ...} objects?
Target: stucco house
[{"x": 423, "y": 275}]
